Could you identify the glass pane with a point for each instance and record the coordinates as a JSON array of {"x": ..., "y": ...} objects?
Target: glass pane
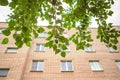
[
  {"x": 69, "y": 64},
  {"x": 63, "y": 66},
  {"x": 42, "y": 47},
  {"x": 90, "y": 48},
  {"x": 34, "y": 65},
  {"x": 12, "y": 50},
  {"x": 95, "y": 65},
  {"x": 111, "y": 49},
  {"x": 40, "y": 66},
  {"x": 92, "y": 66},
  {"x": 4, "y": 72},
  {"x": 42, "y": 34},
  {"x": 37, "y": 47}
]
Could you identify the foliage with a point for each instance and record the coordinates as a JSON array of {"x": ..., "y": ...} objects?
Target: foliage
[{"x": 23, "y": 21}]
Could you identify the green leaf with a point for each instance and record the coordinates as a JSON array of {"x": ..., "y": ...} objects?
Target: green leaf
[
  {"x": 11, "y": 25},
  {"x": 63, "y": 54},
  {"x": 19, "y": 44},
  {"x": 49, "y": 44},
  {"x": 49, "y": 38},
  {"x": 64, "y": 47},
  {"x": 35, "y": 34},
  {"x": 110, "y": 13},
  {"x": 62, "y": 39},
  {"x": 40, "y": 30},
  {"x": 6, "y": 32},
  {"x": 115, "y": 47},
  {"x": 28, "y": 43},
  {"x": 57, "y": 51},
  {"x": 5, "y": 41},
  {"x": 54, "y": 47},
  {"x": 3, "y": 2}
]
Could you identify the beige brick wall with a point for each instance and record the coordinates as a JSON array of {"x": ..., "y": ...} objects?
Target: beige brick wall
[{"x": 20, "y": 63}]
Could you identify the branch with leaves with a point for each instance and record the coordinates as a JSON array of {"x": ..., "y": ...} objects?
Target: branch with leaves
[{"x": 78, "y": 14}]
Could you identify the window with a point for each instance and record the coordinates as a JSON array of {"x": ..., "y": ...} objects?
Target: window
[
  {"x": 11, "y": 50},
  {"x": 66, "y": 66},
  {"x": 112, "y": 49},
  {"x": 1, "y": 31},
  {"x": 40, "y": 47},
  {"x": 3, "y": 72},
  {"x": 42, "y": 35},
  {"x": 65, "y": 35},
  {"x": 118, "y": 64},
  {"x": 95, "y": 66},
  {"x": 37, "y": 66},
  {"x": 89, "y": 49}
]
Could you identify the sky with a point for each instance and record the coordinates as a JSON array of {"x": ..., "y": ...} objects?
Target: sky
[{"x": 115, "y": 18}]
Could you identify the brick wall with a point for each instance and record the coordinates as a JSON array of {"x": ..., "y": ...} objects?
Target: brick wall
[{"x": 20, "y": 63}]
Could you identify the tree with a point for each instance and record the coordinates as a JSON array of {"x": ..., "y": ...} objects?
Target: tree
[{"x": 23, "y": 21}]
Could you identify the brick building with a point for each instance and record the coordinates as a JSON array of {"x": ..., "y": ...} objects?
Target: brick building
[{"x": 97, "y": 62}]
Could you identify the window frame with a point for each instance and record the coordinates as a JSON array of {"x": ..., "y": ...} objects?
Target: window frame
[
  {"x": 112, "y": 50},
  {"x": 98, "y": 66},
  {"x": 0, "y": 31},
  {"x": 66, "y": 66},
  {"x": 6, "y": 73},
  {"x": 42, "y": 35},
  {"x": 89, "y": 49},
  {"x": 37, "y": 68},
  {"x": 40, "y": 48},
  {"x": 117, "y": 62}
]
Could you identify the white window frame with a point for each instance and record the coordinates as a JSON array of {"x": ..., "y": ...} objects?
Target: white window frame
[
  {"x": 66, "y": 66},
  {"x": 42, "y": 35},
  {"x": 5, "y": 72},
  {"x": 40, "y": 47},
  {"x": 118, "y": 64},
  {"x": 89, "y": 49},
  {"x": 95, "y": 66},
  {"x": 39, "y": 63},
  {"x": 1, "y": 30},
  {"x": 112, "y": 50},
  {"x": 11, "y": 50}
]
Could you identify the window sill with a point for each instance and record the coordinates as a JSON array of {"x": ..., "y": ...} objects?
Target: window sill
[
  {"x": 36, "y": 71},
  {"x": 98, "y": 70},
  {"x": 67, "y": 71},
  {"x": 90, "y": 51},
  {"x": 11, "y": 52},
  {"x": 39, "y": 51},
  {"x": 41, "y": 37},
  {"x": 3, "y": 76},
  {"x": 113, "y": 51}
]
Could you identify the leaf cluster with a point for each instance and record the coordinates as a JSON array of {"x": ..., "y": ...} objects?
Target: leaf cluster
[{"x": 23, "y": 22}]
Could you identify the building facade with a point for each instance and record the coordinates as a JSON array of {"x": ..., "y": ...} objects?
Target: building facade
[{"x": 97, "y": 62}]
